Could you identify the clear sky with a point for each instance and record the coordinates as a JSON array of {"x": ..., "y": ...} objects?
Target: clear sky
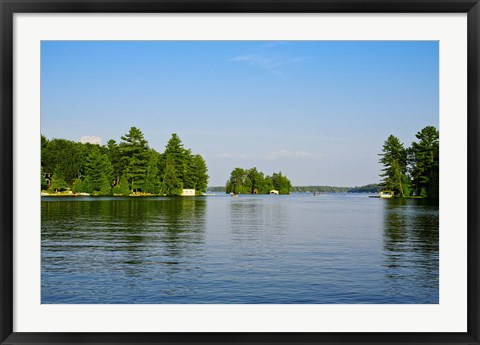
[{"x": 319, "y": 111}]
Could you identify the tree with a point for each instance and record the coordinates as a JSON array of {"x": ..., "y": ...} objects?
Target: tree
[
  {"x": 251, "y": 181},
  {"x": 424, "y": 160},
  {"x": 65, "y": 156},
  {"x": 236, "y": 182},
  {"x": 122, "y": 187},
  {"x": 58, "y": 182},
  {"x": 135, "y": 153},
  {"x": 190, "y": 178},
  {"x": 394, "y": 160},
  {"x": 43, "y": 180},
  {"x": 152, "y": 178},
  {"x": 171, "y": 184},
  {"x": 256, "y": 181},
  {"x": 175, "y": 151},
  {"x": 78, "y": 186},
  {"x": 200, "y": 174},
  {"x": 130, "y": 162},
  {"x": 281, "y": 183},
  {"x": 269, "y": 184},
  {"x": 98, "y": 173},
  {"x": 114, "y": 155}
]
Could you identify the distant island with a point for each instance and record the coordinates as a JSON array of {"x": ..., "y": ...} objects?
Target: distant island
[
  {"x": 251, "y": 181},
  {"x": 130, "y": 168},
  {"x": 370, "y": 188}
]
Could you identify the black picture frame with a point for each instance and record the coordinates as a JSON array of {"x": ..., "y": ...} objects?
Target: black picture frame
[{"x": 9, "y": 7}]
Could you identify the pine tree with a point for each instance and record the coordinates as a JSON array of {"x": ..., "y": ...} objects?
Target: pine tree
[
  {"x": 113, "y": 153},
  {"x": 190, "y": 176},
  {"x": 152, "y": 178},
  {"x": 98, "y": 173},
  {"x": 424, "y": 158},
  {"x": 175, "y": 151},
  {"x": 200, "y": 174},
  {"x": 171, "y": 184},
  {"x": 394, "y": 160},
  {"x": 135, "y": 153}
]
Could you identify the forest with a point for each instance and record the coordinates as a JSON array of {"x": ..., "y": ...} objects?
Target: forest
[
  {"x": 251, "y": 181},
  {"x": 129, "y": 167},
  {"x": 412, "y": 171}
]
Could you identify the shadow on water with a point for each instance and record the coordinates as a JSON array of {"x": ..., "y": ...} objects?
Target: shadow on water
[
  {"x": 124, "y": 242},
  {"x": 411, "y": 249}
]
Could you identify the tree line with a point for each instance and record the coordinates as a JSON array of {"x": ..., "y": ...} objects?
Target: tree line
[
  {"x": 370, "y": 188},
  {"x": 414, "y": 170},
  {"x": 124, "y": 168},
  {"x": 251, "y": 181}
]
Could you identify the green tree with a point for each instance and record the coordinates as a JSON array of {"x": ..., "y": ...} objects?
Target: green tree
[
  {"x": 79, "y": 186},
  {"x": 394, "y": 160},
  {"x": 255, "y": 181},
  {"x": 135, "y": 153},
  {"x": 152, "y": 178},
  {"x": 58, "y": 183},
  {"x": 281, "y": 183},
  {"x": 175, "y": 151},
  {"x": 122, "y": 187},
  {"x": 171, "y": 184},
  {"x": 269, "y": 185},
  {"x": 189, "y": 178},
  {"x": 424, "y": 160},
  {"x": 98, "y": 173},
  {"x": 252, "y": 181},
  {"x": 236, "y": 182},
  {"x": 200, "y": 174},
  {"x": 114, "y": 155},
  {"x": 65, "y": 156},
  {"x": 43, "y": 180}
]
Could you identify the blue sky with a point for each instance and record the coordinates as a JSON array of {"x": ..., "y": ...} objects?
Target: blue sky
[{"x": 319, "y": 111}]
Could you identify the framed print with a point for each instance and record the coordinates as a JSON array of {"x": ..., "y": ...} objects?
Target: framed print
[{"x": 239, "y": 172}]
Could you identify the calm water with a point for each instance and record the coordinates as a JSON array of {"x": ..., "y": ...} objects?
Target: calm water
[{"x": 332, "y": 248}]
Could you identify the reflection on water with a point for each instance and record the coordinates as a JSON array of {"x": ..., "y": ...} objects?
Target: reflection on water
[
  {"x": 411, "y": 247},
  {"x": 332, "y": 248},
  {"x": 95, "y": 247}
]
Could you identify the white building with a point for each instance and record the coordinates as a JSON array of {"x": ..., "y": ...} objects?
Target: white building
[{"x": 188, "y": 192}]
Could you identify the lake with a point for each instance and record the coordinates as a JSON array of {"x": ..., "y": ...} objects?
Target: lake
[{"x": 299, "y": 248}]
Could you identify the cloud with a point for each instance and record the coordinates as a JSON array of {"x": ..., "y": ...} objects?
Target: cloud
[
  {"x": 91, "y": 139},
  {"x": 274, "y": 155},
  {"x": 270, "y": 64},
  {"x": 291, "y": 154}
]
